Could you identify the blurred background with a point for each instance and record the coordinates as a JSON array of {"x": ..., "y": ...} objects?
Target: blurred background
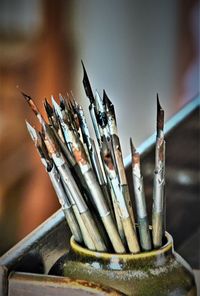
[{"x": 132, "y": 48}]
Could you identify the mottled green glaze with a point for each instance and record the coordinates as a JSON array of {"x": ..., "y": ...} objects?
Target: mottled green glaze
[{"x": 161, "y": 272}]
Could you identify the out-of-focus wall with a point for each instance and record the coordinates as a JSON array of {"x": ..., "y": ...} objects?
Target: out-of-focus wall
[
  {"x": 130, "y": 48},
  {"x": 35, "y": 56}
]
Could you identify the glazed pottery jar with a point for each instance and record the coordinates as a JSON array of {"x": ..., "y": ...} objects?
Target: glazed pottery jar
[{"x": 159, "y": 272}]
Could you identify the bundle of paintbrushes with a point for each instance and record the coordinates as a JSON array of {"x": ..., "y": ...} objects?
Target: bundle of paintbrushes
[{"x": 91, "y": 183}]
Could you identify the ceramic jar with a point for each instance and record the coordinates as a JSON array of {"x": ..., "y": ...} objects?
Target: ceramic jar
[{"x": 159, "y": 272}]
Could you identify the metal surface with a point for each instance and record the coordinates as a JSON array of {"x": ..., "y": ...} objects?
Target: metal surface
[
  {"x": 142, "y": 217},
  {"x": 182, "y": 179},
  {"x": 41, "y": 248}
]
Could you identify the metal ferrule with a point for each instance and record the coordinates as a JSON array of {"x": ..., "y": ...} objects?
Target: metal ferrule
[
  {"x": 159, "y": 177},
  {"x": 68, "y": 134},
  {"x": 158, "y": 192},
  {"x": 123, "y": 210},
  {"x": 96, "y": 193},
  {"x": 102, "y": 119},
  {"x": 99, "y": 103},
  {"x": 84, "y": 167},
  {"x": 40, "y": 118},
  {"x": 111, "y": 173},
  {"x": 44, "y": 162},
  {"x": 107, "y": 150},
  {"x": 64, "y": 149},
  {"x": 94, "y": 122},
  {"x": 70, "y": 182},
  {"x": 86, "y": 139},
  {"x": 101, "y": 111},
  {"x": 159, "y": 154},
  {"x": 104, "y": 131},
  {"x": 139, "y": 195},
  {"x": 120, "y": 199},
  {"x": 119, "y": 160},
  {"x": 58, "y": 186},
  {"x": 80, "y": 155},
  {"x": 117, "y": 149},
  {"x": 84, "y": 128},
  {"x": 160, "y": 134},
  {"x": 112, "y": 125},
  {"x": 96, "y": 164}
]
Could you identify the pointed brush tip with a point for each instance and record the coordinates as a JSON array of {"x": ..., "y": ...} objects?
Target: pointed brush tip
[
  {"x": 133, "y": 148},
  {"x": 56, "y": 108},
  {"x": 27, "y": 123},
  {"x": 87, "y": 86},
  {"x": 160, "y": 117},
  {"x": 159, "y": 107},
  {"x": 84, "y": 70},
  {"x": 85, "y": 75},
  {"x": 105, "y": 96},
  {"x": 108, "y": 102},
  {"x": 61, "y": 99},
  {"x": 32, "y": 131},
  {"x": 46, "y": 101},
  {"x": 97, "y": 94},
  {"x": 48, "y": 107},
  {"x": 134, "y": 154},
  {"x": 131, "y": 145},
  {"x": 82, "y": 64},
  {"x": 27, "y": 97},
  {"x": 131, "y": 142},
  {"x": 104, "y": 93},
  {"x": 53, "y": 101}
]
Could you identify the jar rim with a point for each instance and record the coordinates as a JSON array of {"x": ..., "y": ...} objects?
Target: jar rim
[{"x": 165, "y": 248}]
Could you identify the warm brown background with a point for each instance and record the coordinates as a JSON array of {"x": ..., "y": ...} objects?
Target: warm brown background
[{"x": 132, "y": 48}]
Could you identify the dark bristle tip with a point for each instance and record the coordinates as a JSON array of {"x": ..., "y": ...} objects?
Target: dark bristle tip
[
  {"x": 27, "y": 97},
  {"x": 48, "y": 108},
  {"x": 133, "y": 149},
  {"x": 131, "y": 143},
  {"x": 106, "y": 98},
  {"x": 159, "y": 108},
  {"x": 84, "y": 70},
  {"x": 160, "y": 116}
]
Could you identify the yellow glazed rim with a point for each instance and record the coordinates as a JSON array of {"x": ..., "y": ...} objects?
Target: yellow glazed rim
[{"x": 169, "y": 245}]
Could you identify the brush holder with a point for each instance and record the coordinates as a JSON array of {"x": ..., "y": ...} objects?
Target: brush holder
[{"x": 159, "y": 272}]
